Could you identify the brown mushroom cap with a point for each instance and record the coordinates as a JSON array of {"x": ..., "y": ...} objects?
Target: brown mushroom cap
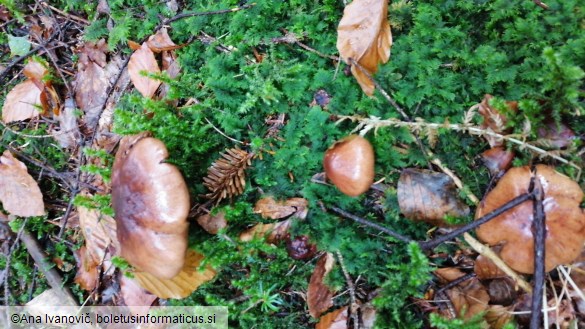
[
  {"x": 565, "y": 220},
  {"x": 349, "y": 164},
  {"x": 151, "y": 202}
]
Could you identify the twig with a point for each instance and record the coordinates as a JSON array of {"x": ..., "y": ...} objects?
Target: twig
[
  {"x": 456, "y": 282},
  {"x": 53, "y": 278},
  {"x": 489, "y": 254},
  {"x": 539, "y": 231},
  {"x": 366, "y": 124},
  {"x": 221, "y": 133},
  {"x": 362, "y": 221},
  {"x": 353, "y": 305},
  {"x": 482, "y": 220},
  {"x": 216, "y": 12}
]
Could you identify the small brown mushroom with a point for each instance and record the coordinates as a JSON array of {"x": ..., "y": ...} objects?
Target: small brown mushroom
[
  {"x": 565, "y": 220},
  {"x": 349, "y": 164},
  {"x": 151, "y": 202}
]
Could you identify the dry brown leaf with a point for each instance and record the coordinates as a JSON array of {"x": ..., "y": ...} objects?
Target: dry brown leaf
[
  {"x": 87, "y": 269},
  {"x": 498, "y": 316},
  {"x": 161, "y": 41},
  {"x": 334, "y": 320},
  {"x": 19, "y": 192},
  {"x": 270, "y": 208},
  {"x": 469, "y": 297},
  {"x": 68, "y": 133},
  {"x": 485, "y": 269},
  {"x": 22, "y": 102},
  {"x": 364, "y": 35},
  {"x": 93, "y": 53},
  {"x": 212, "y": 223},
  {"x": 183, "y": 284},
  {"x": 91, "y": 87},
  {"x": 143, "y": 60},
  {"x": 275, "y": 231},
  {"x": 35, "y": 71},
  {"x": 319, "y": 296},
  {"x": 134, "y": 295},
  {"x": 429, "y": 196},
  {"x": 99, "y": 232}
]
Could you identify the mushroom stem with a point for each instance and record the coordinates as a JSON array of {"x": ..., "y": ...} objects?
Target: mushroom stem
[
  {"x": 460, "y": 230},
  {"x": 538, "y": 226}
]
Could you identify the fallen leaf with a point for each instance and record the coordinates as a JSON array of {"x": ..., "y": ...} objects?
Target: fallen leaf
[
  {"x": 556, "y": 136},
  {"x": 99, "y": 232},
  {"x": 429, "y": 196},
  {"x": 275, "y": 231},
  {"x": 368, "y": 316},
  {"x": 19, "y": 46},
  {"x": 35, "y": 71},
  {"x": 93, "y": 53},
  {"x": 19, "y": 192},
  {"x": 134, "y": 295},
  {"x": 161, "y": 41},
  {"x": 270, "y": 208},
  {"x": 469, "y": 297},
  {"x": 300, "y": 248},
  {"x": 319, "y": 295},
  {"x": 68, "y": 133},
  {"x": 498, "y": 316},
  {"x": 212, "y": 223},
  {"x": 485, "y": 269},
  {"x": 333, "y": 320},
  {"x": 497, "y": 159},
  {"x": 364, "y": 35},
  {"x": 183, "y": 284},
  {"x": 87, "y": 269},
  {"x": 143, "y": 60},
  {"x": 22, "y": 102},
  {"x": 91, "y": 88}
]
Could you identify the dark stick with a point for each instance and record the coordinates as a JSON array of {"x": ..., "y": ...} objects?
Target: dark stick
[
  {"x": 443, "y": 238},
  {"x": 460, "y": 230},
  {"x": 217, "y": 12},
  {"x": 456, "y": 282},
  {"x": 539, "y": 231},
  {"x": 362, "y": 221}
]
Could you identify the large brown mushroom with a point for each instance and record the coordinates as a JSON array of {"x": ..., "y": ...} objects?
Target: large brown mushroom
[
  {"x": 565, "y": 220},
  {"x": 151, "y": 202}
]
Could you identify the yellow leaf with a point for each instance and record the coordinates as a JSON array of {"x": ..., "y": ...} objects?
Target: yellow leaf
[
  {"x": 183, "y": 284},
  {"x": 364, "y": 35}
]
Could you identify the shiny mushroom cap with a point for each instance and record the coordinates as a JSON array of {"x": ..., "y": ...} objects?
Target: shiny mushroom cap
[
  {"x": 565, "y": 220},
  {"x": 151, "y": 202}
]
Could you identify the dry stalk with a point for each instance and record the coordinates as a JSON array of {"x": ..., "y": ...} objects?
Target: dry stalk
[{"x": 419, "y": 125}]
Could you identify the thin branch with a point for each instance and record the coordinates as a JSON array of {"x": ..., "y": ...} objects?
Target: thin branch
[
  {"x": 353, "y": 305},
  {"x": 366, "y": 124},
  {"x": 482, "y": 220},
  {"x": 539, "y": 231},
  {"x": 216, "y": 12},
  {"x": 221, "y": 133},
  {"x": 362, "y": 221}
]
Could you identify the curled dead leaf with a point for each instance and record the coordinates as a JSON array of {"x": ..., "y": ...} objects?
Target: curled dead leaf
[
  {"x": 364, "y": 35},
  {"x": 318, "y": 294},
  {"x": 142, "y": 60},
  {"x": 429, "y": 196},
  {"x": 181, "y": 285},
  {"x": 469, "y": 297},
  {"x": 334, "y": 320},
  {"x": 274, "y": 232},
  {"x": 212, "y": 223},
  {"x": 19, "y": 192},
  {"x": 161, "y": 41},
  {"x": 87, "y": 269},
  {"x": 270, "y": 208},
  {"x": 22, "y": 102}
]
